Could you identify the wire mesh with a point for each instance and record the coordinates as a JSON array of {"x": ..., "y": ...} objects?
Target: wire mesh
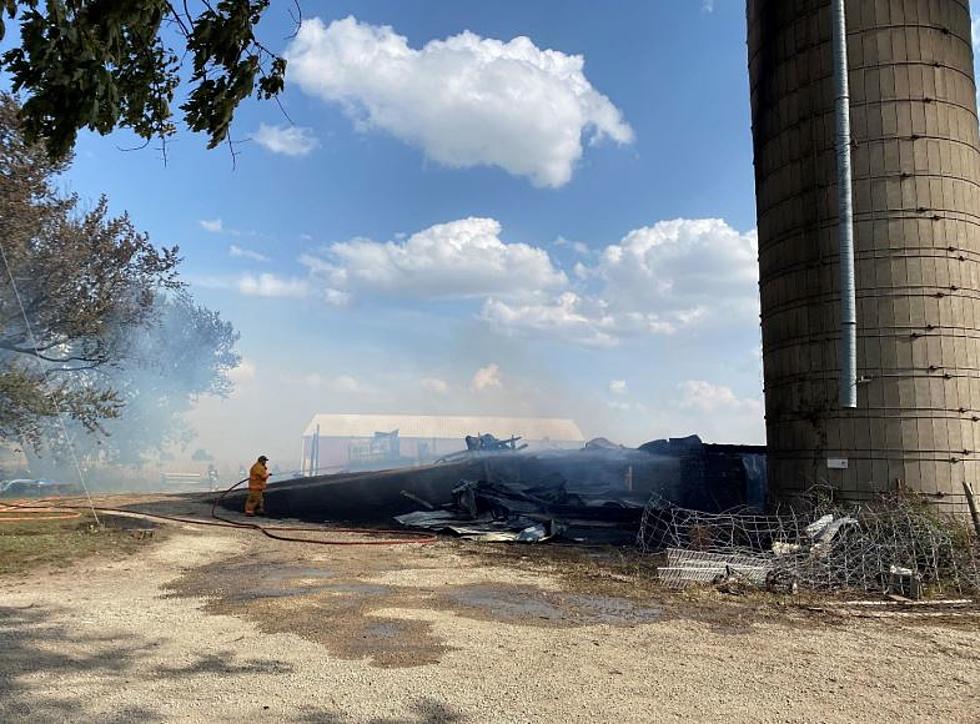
[{"x": 896, "y": 544}]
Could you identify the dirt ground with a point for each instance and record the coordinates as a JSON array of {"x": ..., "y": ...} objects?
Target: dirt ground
[{"x": 214, "y": 624}]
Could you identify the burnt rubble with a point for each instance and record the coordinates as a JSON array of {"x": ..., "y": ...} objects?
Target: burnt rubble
[
  {"x": 596, "y": 494},
  {"x": 501, "y": 492}
]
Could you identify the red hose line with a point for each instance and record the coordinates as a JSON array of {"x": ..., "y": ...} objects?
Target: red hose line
[
  {"x": 399, "y": 539},
  {"x": 396, "y": 537},
  {"x": 33, "y": 514}
]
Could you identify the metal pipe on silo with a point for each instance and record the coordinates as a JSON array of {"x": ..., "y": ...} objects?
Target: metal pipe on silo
[{"x": 845, "y": 211}]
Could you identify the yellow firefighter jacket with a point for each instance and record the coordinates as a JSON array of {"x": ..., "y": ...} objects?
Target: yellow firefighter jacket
[{"x": 258, "y": 477}]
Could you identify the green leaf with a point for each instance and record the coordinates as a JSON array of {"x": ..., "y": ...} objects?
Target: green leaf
[{"x": 105, "y": 64}]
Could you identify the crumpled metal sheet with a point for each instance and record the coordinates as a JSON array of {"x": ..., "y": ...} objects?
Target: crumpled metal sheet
[
  {"x": 531, "y": 513},
  {"x": 484, "y": 528}
]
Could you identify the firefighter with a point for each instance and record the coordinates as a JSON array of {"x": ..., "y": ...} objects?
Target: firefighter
[{"x": 258, "y": 478}]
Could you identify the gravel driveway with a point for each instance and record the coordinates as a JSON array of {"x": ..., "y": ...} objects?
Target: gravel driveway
[{"x": 223, "y": 625}]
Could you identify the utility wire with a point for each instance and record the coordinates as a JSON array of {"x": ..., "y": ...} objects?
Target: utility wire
[{"x": 58, "y": 405}]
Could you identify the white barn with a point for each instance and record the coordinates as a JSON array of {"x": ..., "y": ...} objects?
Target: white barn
[{"x": 333, "y": 442}]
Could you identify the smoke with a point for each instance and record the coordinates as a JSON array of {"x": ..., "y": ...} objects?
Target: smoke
[
  {"x": 401, "y": 364},
  {"x": 184, "y": 353}
]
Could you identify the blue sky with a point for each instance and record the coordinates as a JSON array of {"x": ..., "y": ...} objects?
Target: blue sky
[{"x": 470, "y": 224}]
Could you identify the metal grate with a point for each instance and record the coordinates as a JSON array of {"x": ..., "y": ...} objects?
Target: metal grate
[{"x": 823, "y": 547}]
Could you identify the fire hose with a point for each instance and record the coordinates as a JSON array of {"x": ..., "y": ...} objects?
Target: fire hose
[
  {"x": 395, "y": 537},
  {"x": 377, "y": 537},
  {"x": 30, "y": 513}
]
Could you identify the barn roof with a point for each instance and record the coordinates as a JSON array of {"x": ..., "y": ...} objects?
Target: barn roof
[{"x": 446, "y": 426}]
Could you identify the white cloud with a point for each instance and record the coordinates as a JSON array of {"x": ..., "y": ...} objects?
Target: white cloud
[
  {"x": 579, "y": 247},
  {"x": 682, "y": 266},
  {"x": 347, "y": 383},
  {"x": 487, "y": 378},
  {"x": 435, "y": 385},
  {"x": 466, "y": 100},
  {"x": 459, "y": 259},
  {"x": 568, "y": 316},
  {"x": 336, "y": 298},
  {"x": 287, "y": 140},
  {"x": 708, "y": 6},
  {"x": 663, "y": 279},
  {"x": 618, "y": 387},
  {"x": 707, "y": 397},
  {"x": 657, "y": 280},
  {"x": 243, "y": 373},
  {"x": 242, "y": 253},
  {"x": 217, "y": 226},
  {"x": 716, "y": 413},
  {"x": 586, "y": 320},
  {"x": 270, "y": 285}
]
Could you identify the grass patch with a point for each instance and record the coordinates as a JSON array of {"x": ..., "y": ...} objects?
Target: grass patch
[{"x": 28, "y": 545}]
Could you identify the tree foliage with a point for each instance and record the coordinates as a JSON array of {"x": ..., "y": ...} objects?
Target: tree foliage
[
  {"x": 97, "y": 296},
  {"x": 99, "y": 64}
]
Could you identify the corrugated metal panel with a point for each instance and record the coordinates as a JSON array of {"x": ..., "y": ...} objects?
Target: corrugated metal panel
[
  {"x": 685, "y": 567},
  {"x": 446, "y": 427}
]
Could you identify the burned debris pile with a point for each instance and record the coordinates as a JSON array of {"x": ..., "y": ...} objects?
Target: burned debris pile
[
  {"x": 499, "y": 490},
  {"x": 595, "y": 494},
  {"x": 695, "y": 505},
  {"x": 489, "y": 443},
  {"x": 492, "y": 511},
  {"x": 485, "y": 443}
]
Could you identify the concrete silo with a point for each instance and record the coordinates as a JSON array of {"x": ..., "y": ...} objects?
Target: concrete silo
[{"x": 916, "y": 208}]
